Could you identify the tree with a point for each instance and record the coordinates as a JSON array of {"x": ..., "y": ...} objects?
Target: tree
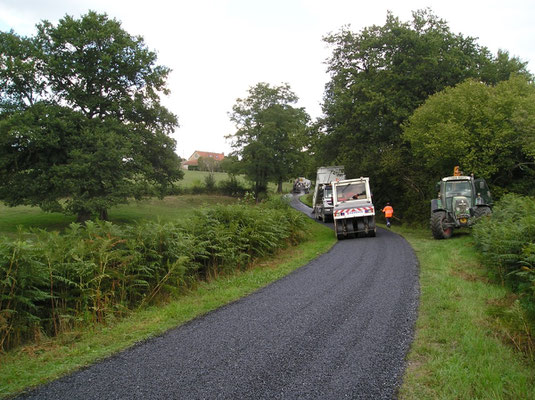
[
  {"x": 209, "y": 164},
  {"x": 379, "y": 76},
  {"x": 81, "y": 124},
  {"x": 270, "y": 135},
  {"x": 487, "y": 130}
]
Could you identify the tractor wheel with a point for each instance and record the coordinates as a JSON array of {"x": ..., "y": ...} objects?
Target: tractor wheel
[
  {"x": 482, "y": 211},
  {"x": 437, "y": 226}
]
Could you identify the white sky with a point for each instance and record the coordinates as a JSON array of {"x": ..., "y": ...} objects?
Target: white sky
[{"x": 217, "y": 49}]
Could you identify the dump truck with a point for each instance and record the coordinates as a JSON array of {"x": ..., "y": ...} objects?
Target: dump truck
[
  {"x": 322, "y": 200},
  {"x": 353, "y": 212},
  {"x": 461, "y": 201}
]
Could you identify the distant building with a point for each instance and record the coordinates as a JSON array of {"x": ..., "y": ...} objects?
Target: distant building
[{"x": 192, "y": 163}]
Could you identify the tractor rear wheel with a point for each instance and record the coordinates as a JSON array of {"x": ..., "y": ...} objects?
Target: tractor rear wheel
[{"x": 438, "y": 228}]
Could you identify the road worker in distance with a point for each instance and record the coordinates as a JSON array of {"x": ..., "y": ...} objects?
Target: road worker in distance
[{"x": 389, "y": 213}]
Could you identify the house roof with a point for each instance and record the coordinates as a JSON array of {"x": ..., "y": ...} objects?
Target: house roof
[
  {"x": 203, "y": 154},
  {"x": 207, "y": 154}
]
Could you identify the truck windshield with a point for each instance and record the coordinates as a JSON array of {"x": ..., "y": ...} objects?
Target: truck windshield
[{"x": 351, "y": 191}]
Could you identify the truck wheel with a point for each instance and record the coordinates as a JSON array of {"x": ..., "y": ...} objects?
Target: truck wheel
[
  {"x": 339, "y": 230},
  {"x": 439, "y": 231},
  {"x": 351, "y": 228},
  {"x": 371, "y": 227},
  {"x": 361, "y": 228}
]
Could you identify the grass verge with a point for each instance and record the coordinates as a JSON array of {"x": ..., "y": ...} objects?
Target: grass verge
[
  {"x": 458, "y": 351},
  {"x": 51, "y": 358}
]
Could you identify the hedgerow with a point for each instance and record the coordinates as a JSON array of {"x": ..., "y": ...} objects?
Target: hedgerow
[
  {"x": 507, "y": 243},
  {"x": 52, "y": 282}
]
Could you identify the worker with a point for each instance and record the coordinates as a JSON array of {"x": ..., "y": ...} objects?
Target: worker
[{"x": 389, "y": 213}]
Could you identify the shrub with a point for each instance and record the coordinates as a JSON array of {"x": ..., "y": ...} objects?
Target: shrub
[
  {"x": 507, "y": 243},
  {"x": 231, "y": 187}
]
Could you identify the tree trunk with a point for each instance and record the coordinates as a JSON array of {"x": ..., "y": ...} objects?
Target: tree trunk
[
  {"x": 103, "y": 215},
  {"x": 279, "y": 186},
  {"x": 83, "y": 216}
]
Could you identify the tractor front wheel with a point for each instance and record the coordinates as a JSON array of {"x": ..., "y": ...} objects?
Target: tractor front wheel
[
  {"x": 482, "y": 211},
  {"x": 438, "y": 228}
]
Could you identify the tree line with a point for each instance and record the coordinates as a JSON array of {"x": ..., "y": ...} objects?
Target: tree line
[
  {"x": 82, "y": 127},
  {"x": 406, "y": 102}
]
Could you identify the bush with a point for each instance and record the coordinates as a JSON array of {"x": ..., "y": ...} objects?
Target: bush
[
  {"x": 50, "y": 282},
  {"x": 231, "y": 187},
  {"x": 507, "y": 243}
]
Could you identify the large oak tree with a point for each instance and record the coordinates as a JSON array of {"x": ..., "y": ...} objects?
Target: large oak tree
[{"x": 81, "y": 124}]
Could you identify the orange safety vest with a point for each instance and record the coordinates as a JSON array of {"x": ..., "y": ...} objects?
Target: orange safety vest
[{"x": 389, "y": 211}]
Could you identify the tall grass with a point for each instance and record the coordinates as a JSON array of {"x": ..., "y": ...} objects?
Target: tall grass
[
  {"x": 460, "y": 349},
  {"x": 90, "y": 274},
  {"x": 507, "y": 243},
  {"x": 37, "y": 363}
]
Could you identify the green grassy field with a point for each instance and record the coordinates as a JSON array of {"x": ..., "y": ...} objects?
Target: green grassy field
[
  {"x": 197, "y": 178},
  {"x": 168, "y": 208}
]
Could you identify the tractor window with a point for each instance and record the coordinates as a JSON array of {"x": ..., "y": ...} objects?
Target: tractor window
[
  {"x": 483, "y": 190},
  {"x": 458, "y": 188}
]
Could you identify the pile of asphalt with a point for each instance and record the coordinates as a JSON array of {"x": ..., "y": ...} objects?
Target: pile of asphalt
[{"x": 339, "y": 327}]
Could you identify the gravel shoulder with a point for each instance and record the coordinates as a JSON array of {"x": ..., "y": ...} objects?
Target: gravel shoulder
[{"x": 339, "y": 327}]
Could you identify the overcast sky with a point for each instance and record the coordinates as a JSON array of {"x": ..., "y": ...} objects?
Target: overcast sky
[{"x": 218, "y": 49}]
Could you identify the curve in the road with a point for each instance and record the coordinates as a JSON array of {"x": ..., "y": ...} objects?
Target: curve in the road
[{"x": 339, "y": 327}]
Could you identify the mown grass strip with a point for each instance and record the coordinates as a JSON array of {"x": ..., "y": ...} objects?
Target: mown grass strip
[
  {"x": 457, "y": 352},
  {"x": 33, "y": 365}
]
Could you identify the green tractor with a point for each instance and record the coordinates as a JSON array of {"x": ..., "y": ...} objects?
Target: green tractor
[{"x": 461, "y": 201}]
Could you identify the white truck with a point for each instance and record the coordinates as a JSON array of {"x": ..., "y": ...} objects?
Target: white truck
[
  {"x": 354, "y": 212},
  {"x": 322, "y": 199},
  {"x": 301, "y": 184}
]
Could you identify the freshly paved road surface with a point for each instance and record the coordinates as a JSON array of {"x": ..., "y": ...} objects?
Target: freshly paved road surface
[{"x": 338, "y": 328}]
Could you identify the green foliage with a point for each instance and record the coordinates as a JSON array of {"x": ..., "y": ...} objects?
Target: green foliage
[
  {"x": 50, "y": 282},
  {"x": 507, "y": 243},
  {"x": 270, "y": 135},
  {"x": 379, "y": 76},
  {"x": 488, "y": 130},
  {"x": 462, "y": 348},
  {"x": 209, "y": 182},
  {"x": 81, "y": 119}
]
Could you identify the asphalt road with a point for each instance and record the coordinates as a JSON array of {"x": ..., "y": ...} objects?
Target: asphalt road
[{"x": 337, "y": 328}]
